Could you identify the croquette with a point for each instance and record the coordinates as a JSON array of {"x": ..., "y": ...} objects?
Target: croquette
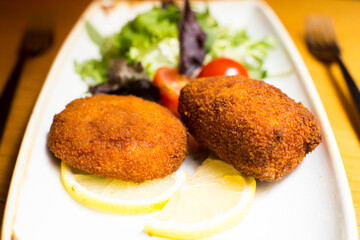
[
  {"x": 122, "y": 137},
  {"x": 250, "y": 124}
]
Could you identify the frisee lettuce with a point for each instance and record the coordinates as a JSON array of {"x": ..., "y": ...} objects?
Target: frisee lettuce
[
  {"x": 237, "y": 45},
  {"x": 148, "y": 29},
  {"x": 93, "y": 71}
]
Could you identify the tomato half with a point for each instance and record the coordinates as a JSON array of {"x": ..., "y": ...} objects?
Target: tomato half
[
  {"x": 170, "y": 82},
  {"x": 223, "y": 67}
]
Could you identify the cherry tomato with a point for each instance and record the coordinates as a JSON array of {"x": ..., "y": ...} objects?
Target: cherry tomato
[
  {"x": 170, "y": 82},
  {"x": 223, "y": 67}
]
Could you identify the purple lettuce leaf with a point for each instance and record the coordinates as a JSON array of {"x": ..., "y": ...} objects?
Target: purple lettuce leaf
[{"x": 192, "y": 41}]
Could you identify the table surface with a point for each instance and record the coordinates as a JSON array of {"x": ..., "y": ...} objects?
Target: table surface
[{"x": 329, "y": 82}]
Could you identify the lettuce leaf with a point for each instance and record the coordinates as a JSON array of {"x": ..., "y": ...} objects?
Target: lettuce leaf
[
  {"x": 148, "y": 29},
  {"x": 237, "y": 45},
  {"x": 152, "y": 38},
  {"x": 94, "y": 35},
  {"x": 93, "y": 72}
]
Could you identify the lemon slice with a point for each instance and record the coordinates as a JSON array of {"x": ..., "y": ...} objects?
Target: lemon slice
[
  {"x": 118, "y": 196},
  {"x": 215, "y": 199}
]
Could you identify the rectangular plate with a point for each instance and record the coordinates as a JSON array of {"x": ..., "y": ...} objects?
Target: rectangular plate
[{"x": 313, "y": 202}]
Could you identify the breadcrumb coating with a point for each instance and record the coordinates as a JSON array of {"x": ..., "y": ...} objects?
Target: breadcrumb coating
[
  {"x": 127, "y": 138},
  {"x": 250, "y": 124}
]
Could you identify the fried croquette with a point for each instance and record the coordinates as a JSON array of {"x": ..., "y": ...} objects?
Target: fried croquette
[
  {"x": 250, "y": 124},
  {"x": 120, "y": 137}
]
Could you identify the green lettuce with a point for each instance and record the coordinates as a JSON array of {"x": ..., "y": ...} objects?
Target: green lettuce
[
  {"x": 152, "y": 39},
  {"x": 239, "y": 46},
  {"x": 93, "y": 72},
  {"x": 148, "y": 39},
  {"x": 148, "y": 29}
]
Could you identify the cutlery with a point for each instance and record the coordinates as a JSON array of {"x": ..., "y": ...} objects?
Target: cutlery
[
  {"x": 37, "y": 38},
  {"x": 322, "y": 43}
]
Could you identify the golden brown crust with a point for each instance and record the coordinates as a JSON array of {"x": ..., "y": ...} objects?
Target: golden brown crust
[
  {"x": 127, "y": 138},
  {"x": 250, "y": 124}
]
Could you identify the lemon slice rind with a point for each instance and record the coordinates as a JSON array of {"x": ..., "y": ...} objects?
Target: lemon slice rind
[
  {"x": 123, "y": 206},
  {"x": 207, "y": 228}
]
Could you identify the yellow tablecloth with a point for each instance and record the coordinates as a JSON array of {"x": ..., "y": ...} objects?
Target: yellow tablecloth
[{"x": 329, "y": 83}]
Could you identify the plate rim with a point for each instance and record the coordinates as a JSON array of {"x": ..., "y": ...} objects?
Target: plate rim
[{"x": 347, "y": 203}]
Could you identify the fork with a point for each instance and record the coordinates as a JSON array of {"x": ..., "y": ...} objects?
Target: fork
[
  {"x": 37, "y": 38},
  {"x": 321, "y": 41}
]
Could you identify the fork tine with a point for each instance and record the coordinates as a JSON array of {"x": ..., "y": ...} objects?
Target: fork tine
[
  {"x": 37, "y": 38},
  {"x": 311, "y": 31},
  {"x": 318, "y": 23},
  {"x": 329, "y": 27},
  {"x": 331, "y": 33},
  {"x": 321, "y": 37},
  {"x": 321, "y": 40},
  {"x": 38, "y": 35},
  {"x": 42, "y": 21}
]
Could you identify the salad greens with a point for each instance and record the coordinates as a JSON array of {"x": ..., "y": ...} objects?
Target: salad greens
[
  {"x": 152, "y": 38},
  {"x": 126, "y": 79},
  {"x": 239, "y": 46}
]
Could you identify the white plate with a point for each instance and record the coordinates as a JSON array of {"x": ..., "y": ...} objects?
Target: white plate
[{"x": 313, "y": 202}]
